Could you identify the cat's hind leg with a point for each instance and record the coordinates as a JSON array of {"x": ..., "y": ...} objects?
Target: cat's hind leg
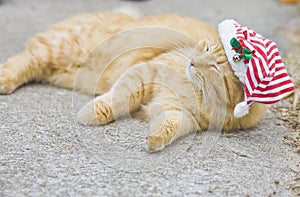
[
  {"x": 46, "y": 54},
  {"x": 15, "y": 72},
  {"x": 34, "y": 63}
]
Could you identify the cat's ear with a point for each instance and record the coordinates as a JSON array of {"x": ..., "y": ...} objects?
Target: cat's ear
[
  {"x": 214, "y": 45},
  {"x": 208, "y": 45},
  {"x": 204, "y": 45}
]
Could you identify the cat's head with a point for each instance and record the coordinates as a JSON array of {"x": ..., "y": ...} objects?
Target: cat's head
[
  {"x": 208, "y": 68},
  {"x": 206, "y": 60}
]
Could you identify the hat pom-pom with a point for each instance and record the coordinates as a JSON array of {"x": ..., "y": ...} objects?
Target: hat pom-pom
[{"x": 241, "y": 109}]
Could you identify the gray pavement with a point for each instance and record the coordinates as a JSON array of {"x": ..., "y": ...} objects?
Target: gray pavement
[{"x": 43, "y": 152}]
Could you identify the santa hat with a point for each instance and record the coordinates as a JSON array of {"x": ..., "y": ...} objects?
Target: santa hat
[{"x": 256, "y": 61}]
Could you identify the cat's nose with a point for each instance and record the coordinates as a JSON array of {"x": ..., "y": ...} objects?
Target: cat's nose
[{"x": 192, "y": 62}]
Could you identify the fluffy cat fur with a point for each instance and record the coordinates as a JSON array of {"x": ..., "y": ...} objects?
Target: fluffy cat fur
[{"x": 167, "y": 69}]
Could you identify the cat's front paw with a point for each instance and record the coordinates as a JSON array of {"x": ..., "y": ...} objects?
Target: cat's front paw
[
  {"x": 154, "y": 143},
  {"x": 94, "y": 113},
  {"x": 86, "y": 115}
]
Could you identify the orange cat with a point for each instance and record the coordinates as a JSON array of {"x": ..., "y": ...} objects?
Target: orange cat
[{"x": 169, "y": 69}]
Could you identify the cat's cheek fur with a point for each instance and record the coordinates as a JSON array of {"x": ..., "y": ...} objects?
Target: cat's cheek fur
[
  {"x": 191, "y": 78},
  {"x": 188, "y": 74}
]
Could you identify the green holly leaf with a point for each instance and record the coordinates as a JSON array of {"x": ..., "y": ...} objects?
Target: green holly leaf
[
  {"x": 247, "y": 54},
  {"x": 235, "y": 43},
  {"x": 244, "y": 52}
]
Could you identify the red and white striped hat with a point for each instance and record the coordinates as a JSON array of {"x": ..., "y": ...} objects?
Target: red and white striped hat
[{"x": 256, "y": 61}]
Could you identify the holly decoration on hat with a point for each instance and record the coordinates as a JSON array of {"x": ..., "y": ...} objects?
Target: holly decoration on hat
[
  {"x": 243, "y": 52},
  {"x": 264, "y": 77}
]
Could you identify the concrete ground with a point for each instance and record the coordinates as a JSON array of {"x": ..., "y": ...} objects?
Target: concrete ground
[{"x": 43, "y": 152}]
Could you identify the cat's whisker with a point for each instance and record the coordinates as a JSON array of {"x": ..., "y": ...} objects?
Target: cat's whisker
[
  {"x": 179, "y": 53},
  {"x": 210, "y": 94},
  {"x": 200, "y": 81},
  {"x": 207, "y": 93},
  {"x": 184, "y": 44},
  {"x": 182, "y": 52},
  {"x": 204, "y": 93},
  {"x": 188, "y": 44},
  {"x": 174, "y": 45},
  {"x": 191, "y": 52}
]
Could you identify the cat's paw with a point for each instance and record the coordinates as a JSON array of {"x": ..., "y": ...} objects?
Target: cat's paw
[
  {"x": 154, "y": 143},
  {"x": 94, "y": 113},
  {"x": 86, "y": 115},
  {"x": 6, "y": 86}
]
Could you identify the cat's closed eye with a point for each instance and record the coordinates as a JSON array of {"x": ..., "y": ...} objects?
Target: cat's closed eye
[
  {"x": 207, "y": 47},
  {"x": 214, "y": 67}
]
